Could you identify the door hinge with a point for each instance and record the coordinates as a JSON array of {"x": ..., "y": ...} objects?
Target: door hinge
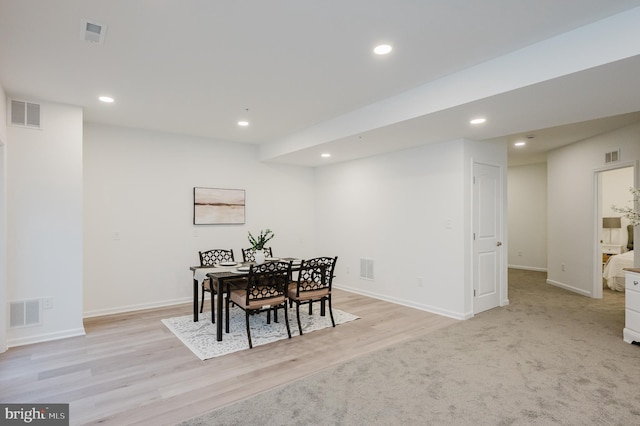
[
  {"x": 474, "y": 236},
  {"x": 474, "y": 292}
]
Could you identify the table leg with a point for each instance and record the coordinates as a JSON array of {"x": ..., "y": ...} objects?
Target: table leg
[
  {"x": 195, "y": 300},
  {"x": 220, "y": 291}
]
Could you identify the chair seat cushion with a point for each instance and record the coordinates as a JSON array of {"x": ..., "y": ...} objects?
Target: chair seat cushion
[
  {"x": 239, "y": 297},
  {"x": 308, "y": 295},
  {"x": 206, "y": 284}
]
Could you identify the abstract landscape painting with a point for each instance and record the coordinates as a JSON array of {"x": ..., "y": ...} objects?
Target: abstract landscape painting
[{"x": 215, "y": 206}]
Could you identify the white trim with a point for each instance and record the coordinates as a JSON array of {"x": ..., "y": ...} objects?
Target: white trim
[
  {"x": 64, "y": 334},
  {"x": 568, "y": 287},
  {"x": 408, "y": 303},
  {"x": 139, "y": 307},
  {"x": 527, "y": 268},
  {"x": 630, "y": 336},
  {"x": 596, "y": 290}
]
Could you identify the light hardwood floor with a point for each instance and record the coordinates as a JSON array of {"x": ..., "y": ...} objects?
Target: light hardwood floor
[{"x": 130, "y": 369}]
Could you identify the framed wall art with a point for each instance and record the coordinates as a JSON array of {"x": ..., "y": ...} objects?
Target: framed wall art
[{"x": 217, "y": 206}]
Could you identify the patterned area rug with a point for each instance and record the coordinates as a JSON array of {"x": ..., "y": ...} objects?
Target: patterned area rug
[{"x": 200, "y": 336}]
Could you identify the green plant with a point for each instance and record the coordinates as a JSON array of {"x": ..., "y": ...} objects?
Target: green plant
[
  {"x": 262, "y": 239},
  {"x": 628, "y": 212}
]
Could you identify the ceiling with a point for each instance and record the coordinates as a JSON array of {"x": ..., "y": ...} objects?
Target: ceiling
[{"x": 196, "y": 67}]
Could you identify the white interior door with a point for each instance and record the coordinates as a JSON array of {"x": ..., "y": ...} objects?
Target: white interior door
[{"x": 487, "y": 247}]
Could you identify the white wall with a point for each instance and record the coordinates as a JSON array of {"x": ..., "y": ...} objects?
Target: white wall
[
  {"x": 139, "y": 185},
  {"x": 407, "y": 211},
  {"x": 393, "y": 209},
  {"x": 527, "y": 200},
  {"x": 44, "y": 221},
  {"x": 572, "y": 230},
  {"x": 615, "y": 192},
  {"x": 3, "y": 222}
]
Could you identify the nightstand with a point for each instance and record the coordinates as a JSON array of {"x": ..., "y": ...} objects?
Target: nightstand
[{"x": 609, "y": 250}]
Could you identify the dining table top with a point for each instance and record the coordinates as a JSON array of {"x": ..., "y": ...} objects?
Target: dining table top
[{"x": 227, "y": 269}]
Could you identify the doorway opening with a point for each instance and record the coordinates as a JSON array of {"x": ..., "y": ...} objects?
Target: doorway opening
[{"x": 613, "y": 236}]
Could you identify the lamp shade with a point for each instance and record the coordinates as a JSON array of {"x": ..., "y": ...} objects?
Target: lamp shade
[{"x": 611, "y": 222}]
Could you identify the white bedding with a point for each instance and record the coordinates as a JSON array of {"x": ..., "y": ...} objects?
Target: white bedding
[{"x": 613, "y": 271}]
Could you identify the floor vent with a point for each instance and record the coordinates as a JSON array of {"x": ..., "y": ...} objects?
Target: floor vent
[
  {"x": 366, "y": 269},
  {"x": 24, "y": 313},
  {"x": 612, "y": 157},
  {"x": 25, "y": 114}
]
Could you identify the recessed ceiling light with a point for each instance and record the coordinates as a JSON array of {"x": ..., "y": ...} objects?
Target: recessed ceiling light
[
  {"x": 521, "y": 143},
  {"x": 243, "y": 123},
  {"x": 478, "y": 120},
  {"x": 106, "y": 99},
  {"x": 382, "y": 49},
  {"x": 325, "y": 155}
]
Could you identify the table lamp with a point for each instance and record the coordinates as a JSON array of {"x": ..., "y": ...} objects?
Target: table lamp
[{"x": 611, "y": 223}]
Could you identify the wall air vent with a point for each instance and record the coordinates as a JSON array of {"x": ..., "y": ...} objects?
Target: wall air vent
[
  {"x": 612, "y": 157},
  {"x": 92, "y": 31},
  {"x": 25, "y": 114},
  {"x": 24, "y": 313},
  {"x": 366, "y": 269}
]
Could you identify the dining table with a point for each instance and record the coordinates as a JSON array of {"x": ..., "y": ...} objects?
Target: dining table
[{"x": 219, "y": 275}]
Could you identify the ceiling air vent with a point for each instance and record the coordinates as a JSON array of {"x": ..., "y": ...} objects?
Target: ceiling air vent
[
  {"x": 91, "y": 31},
  {"x": 612, "y": 157},
  {"x": 25, "y": 114}
]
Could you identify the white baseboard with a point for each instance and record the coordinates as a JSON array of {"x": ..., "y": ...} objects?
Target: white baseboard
[
  {"x": 139, "y": 307},
  {"x": 46, "y": 337},
  {"x": 408, "y": 303},
  {"x": 528, "y": 268},
  {"x": 570, "y": 288}
]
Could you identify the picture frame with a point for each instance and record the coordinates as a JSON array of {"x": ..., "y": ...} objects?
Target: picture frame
[{"x": 218, "y": 206}]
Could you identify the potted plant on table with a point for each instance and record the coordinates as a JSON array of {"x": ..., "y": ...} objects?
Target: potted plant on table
[{"x": 258, "y": 243}]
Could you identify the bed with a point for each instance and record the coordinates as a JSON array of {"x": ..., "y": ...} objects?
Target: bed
[{"x": 613, "y": 272}]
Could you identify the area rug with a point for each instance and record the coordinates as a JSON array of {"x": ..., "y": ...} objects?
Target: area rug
[{"x": 200, "y": 336}]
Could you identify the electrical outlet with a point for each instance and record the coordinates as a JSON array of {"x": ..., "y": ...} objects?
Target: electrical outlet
[
  {"x": 420, "y": 281},
  {"x": 47, "y": 303},
  {"x": 519, "y": 253},
  {"x": 562, "y": 267}
]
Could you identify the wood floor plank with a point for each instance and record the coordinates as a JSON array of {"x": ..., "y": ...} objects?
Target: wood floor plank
[{"x": 130, "y": 369}]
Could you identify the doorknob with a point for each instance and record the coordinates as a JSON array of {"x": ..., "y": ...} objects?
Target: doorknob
[{"x": 499, "y": 243}]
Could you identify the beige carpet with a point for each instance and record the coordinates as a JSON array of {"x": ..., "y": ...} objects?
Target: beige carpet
[{"x": 550, "y": 357}]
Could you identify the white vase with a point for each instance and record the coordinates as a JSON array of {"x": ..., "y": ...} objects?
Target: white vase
[{"x": 259, "y": 257}]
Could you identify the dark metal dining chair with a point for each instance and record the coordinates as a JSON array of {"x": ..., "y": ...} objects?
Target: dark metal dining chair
[
  {"x": 207, "y": 259},
  {"x": 249, "y": 255},
  {"x": 265, "y": 291},
  {"x": 315, "y": 278}
]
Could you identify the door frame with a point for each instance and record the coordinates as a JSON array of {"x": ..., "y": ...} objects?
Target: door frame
[
  {"x": 596, "y": 290},
  {"x": 502, "y": 284}
]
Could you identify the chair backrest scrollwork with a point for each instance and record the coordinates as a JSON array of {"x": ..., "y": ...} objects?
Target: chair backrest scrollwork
[
  {"x": 315, "y": 274},
  {"x": 249, "y": 255},
  {"x": 268, "y": 280},
  {"x": 211, "y": 257}
]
